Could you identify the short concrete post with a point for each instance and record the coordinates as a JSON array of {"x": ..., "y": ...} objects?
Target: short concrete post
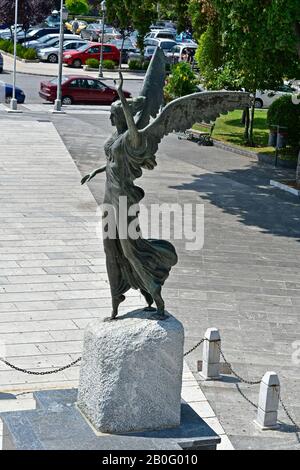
[
  {"x": 211, "y": 355},
  {"x": 268, "y": 402}
]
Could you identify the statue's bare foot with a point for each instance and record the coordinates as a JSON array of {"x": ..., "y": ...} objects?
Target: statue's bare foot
[
  {"x": 160, "y": 315},
  {"x": 116, "y": 301},
  {"x": 149, "y": 309},
  {"x": 110, "y": 319}
]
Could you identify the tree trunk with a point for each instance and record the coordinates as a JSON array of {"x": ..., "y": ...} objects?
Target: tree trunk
[
  {"x": 246, "y": 122},
  {"x": 298, "y": 170}
]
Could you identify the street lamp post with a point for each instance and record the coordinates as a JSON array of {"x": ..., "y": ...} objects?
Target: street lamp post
[
  {"x": 14, "y": 102},
  {"x": 103, "y": 9},
  {"x": 63, "y": 16}
]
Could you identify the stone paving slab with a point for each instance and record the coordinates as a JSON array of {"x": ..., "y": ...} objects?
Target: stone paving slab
[{"x": 245, "y": 281}]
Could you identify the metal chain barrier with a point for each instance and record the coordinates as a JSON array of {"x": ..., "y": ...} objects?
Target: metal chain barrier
[
  {"x": 194, "y": 348},
  {"x": 246, "y": 398},
  {"x": 288, "y": 413},
  {"x": 68, "y": 366},
  {"x": 31, "y": 372},
  {"x": 249, "y": 382}
]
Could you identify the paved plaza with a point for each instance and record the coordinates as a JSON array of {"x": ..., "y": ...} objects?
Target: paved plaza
[{"x": 245, "y": 281}]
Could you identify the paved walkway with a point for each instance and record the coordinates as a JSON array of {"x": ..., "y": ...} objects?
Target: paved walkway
[
  {"x": 52, "y": 269},
  {"x": 51, "y": 70},
  {"x": 245, "y": 281},
  {"x": 53, "y": 277}
]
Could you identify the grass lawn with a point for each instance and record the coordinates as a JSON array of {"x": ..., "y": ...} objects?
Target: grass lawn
[{"x": 229, "y": 129}]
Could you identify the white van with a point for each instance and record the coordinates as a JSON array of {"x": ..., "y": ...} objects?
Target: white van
[{"x": 161, "y": 34}]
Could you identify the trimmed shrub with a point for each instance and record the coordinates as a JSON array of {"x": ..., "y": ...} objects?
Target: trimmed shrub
[
  {"x": 4, "y": 45},
  {"x": 283, "y": 112},
  {"x": 135, "y": 64},
  {"x": 108, "y": 64},
  {"x": 22, "y": 52},
  {"x": 181, "y": 82},
  {"x": 93, "y": 63},
  {"x": 29, "y": 54}
]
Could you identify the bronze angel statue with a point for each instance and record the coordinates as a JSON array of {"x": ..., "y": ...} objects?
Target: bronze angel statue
[{"x": 140, "y": 125}]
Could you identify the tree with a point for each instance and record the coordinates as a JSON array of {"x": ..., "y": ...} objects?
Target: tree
[
  {"x": 256, "y": 47},
  {"x": 30, "y": 12},
  {"x": 95, "y": 6},
  {"x": 78, "y": 7},
  {"x": 136, "y": 13}
]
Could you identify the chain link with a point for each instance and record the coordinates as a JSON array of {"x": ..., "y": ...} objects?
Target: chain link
[
  {"x": 249, "y": 382},
  {"x": 287, "y": 412},
  {"x": 31, "y": 372},
  {"x": 68, "y": 366},
  {"x": 194, "y": 348},
  {"x": 246, "y": 398}
]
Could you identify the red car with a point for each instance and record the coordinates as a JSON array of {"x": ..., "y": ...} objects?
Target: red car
[
  {"x": 91, "y": 51},
  {"x": 80, "y": 89}
]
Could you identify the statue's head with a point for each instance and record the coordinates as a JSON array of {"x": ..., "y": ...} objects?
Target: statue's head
[{"x": 117, "y": 115}]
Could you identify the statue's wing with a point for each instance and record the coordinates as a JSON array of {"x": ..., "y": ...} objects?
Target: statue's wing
[
  {"x": 183, "y": 113},
  {"x": 153, "y": 89}
]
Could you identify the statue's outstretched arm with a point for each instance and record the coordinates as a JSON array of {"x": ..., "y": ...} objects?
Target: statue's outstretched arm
[
  {"x": 134, "y": 135},
  {"x": 93, "y": 174}
]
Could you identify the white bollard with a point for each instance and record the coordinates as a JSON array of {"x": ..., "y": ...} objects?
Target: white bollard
[
  {"x": 211, "y": 355},
  {"x": 268, "y": 402}
]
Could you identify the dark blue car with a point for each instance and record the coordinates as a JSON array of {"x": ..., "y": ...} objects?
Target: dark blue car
[{"x": 20, "y": 95}]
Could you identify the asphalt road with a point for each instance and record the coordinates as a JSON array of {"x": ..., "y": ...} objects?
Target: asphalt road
[{"x": 30, "y": 84}]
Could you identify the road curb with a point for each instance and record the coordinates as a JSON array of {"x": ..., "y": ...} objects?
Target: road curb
[
  {"x": 261, "y": 157},
  {"x": 55, "y": 75}
]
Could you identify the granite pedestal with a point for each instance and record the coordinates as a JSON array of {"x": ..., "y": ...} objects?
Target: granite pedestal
[{"x": 131, "y": 373}]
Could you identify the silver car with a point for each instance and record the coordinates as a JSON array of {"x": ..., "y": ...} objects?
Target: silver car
[
  {"x": 50, "y": 40},
  {"x": 50, "y": 54}
]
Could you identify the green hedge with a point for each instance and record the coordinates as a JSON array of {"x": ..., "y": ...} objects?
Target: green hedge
[
  {"x": 137, "y": 64},
  {"x": 93, "y": 63},
  {"x": 108, "y": 64},
  {"x": 283, "y": 112},
  {"x": 22, "y": 52}
]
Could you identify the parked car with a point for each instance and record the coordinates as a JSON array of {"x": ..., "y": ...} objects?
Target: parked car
[
  {"x": 6, "y": 32},
  {"x": 37, "y": 33},
  {"x": 80, "y": 89},
  {"x": 93, "y": 32},
  {"x": 81, "y": 25},
  {"x": 264, "y": 98},
  {"x": 181, "y": 52},
  {"x": 161, "y": 34},
  {"x": 128, "y": 47},
  {"x": 49, "y": 40},
  {"x": 51, "y": 54},
  {"x": 165, "y": 44},
  {"x": 7, "y": 93},
  {"x": 1, "y": 63},
  {"x": 91, "y": 51},
  {"x": 163, "y": 24}
]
